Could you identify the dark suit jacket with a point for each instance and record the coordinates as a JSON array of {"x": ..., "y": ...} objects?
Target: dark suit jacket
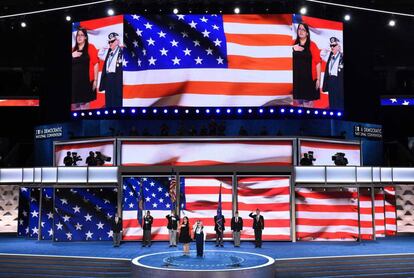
[
  {"x": 117, "y": 227},
  {"x": 216, "y": 227},
  {"x": 118, "y": 69},
  {"x": 172, "y": 225},
  {"x": 340, "y": 71},
  {"x": 147, "y": 222},
  {"x": 257, "y": 225},
  {"x": 237, "y": 227}
]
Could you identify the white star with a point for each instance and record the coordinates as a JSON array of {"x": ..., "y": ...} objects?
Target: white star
[
  {"x": 59, "y": 226},
  {"x": 124, "y": 187},
  {"x": 21, "y": 222},
  {"x": 193, "y": 24},
  {"x": 136, "y": 17},
  {"x": 23, "y": 189},
  {"x": 152, "y": 61},
  {"x": 176, "y": 61},
  {"x": 100, "y": 225},
  {"x": 32, "y": 199},
  {"x": 148, "y": 25},
  {"x": 89, "y": 235},
  {"x": 34, "y": 213},
  {"x": 148, "y": 199},
  {"x": 164, "y": 52},
  {"x": 219, "y": 60},
  {"x": 139, "y": 33},
  {"x": 166, "y": 194},
  {"x": 66, "y": 218},
  {"x": 159, "y": 189},
  {"x": 98, "y": 208},
  {"x": 108, "y": 216},
  {"x": 180, "y": 16},
  {"x": 185, "y": 35},
  {"x": 151, "y": 42},
  {"x": 78, "y": 226},
  {"x": 153, "y": 195},
  {"x": 69, "y": 236},
  {"x": 64, "y": 201},
  {"x": 393, "y": 100},
  {"x": 42, "y": 224},
  {"x": 217, "y": 42},
  {"x": 88, "y": 217},
  {"x": 196, "y": 43},
  {"x": 406, "y": 102},
  {"x": 35, "y": 230},
  {"x": 145, "y": 179},
  {"x": 135, "y": 43},
  {"x": 76, "y": 209},
  {"x": 209, "y": 51},
  {"x": 146, "y": 189},
  {"x": 124, "y": 62},
  {"x": 167, "y": 205},
  {"x": 187, "y": 52},
  {"x": 205, "y": 33},
  {"x": 174, "y": 43},
  {"x": 110, "y": 233},
  {"x": 24, "y": 213},
  {"x": 203, "y": 19},
  {"x": 131, "y": 193},
  {"x": 161, "y": 34},
  {"x": 154, "y": 205},
  {"x": 50, "y": 232},
  {"x": 198, "y": 61},
  {"x": 139, "y": 62},
  {"x": 131, "y": 205},
  {"x": 215, "y": 27},
  {"x": 161, "y": 200},
  {"x": 27, "y": 230}
]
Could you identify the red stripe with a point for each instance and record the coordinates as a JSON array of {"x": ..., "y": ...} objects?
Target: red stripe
[
  {"x": 247, "y": 143},
  {"x": 89, "y": 145},
  {"x": 267, "y": 237},
  {"x": 102, "y": 22},
  {"x": 326, "y": 208},
  {"x": 250, "y": 63},
  {"x": 365, "y": 210},
  {"x": 260, "y": 179},
  {"x": 265, "y": 192},
  {"x": 325, "y": 195},
  {"x": 259, "y": 39},
  {"x": 326, "y": 145},
  {"x": 314, "y": 22},
  {"x": 154, "y": 237},
  {"x": 327, "y": 222},
  {"x": 19, "y": 102},
  {"x": 282, "y": 19},
  {"x": 366, "y": 224},
  {"x": 208, "y": 163},
  {"x": 207, "y": 205},
  {"x": 269, "y": 223},
  {"x": 264, "y": 207},
  {"x": 325, "y": 235},
  {"x": 192, "y": 189}
]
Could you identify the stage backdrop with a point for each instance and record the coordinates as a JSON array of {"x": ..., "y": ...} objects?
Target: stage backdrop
[
  {"x": 405, "y": 208},
  {"x": 9, "y": 205}
]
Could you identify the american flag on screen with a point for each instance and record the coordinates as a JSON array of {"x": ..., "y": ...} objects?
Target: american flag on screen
[
  {"x": 46, "y": 222},
  {"x": 379, "y": 212},
  {"x": 34, "y": 213},
  {"x": 271, "y": 195},
  {"x": 215, "y": 60},
  {"x": 24, "y": 209},
  {"x": 155, "y": 195},
  {"x": 327, "y": 215},
  {"x": 390, "y": 211},
  {"x": 365, "y": 211}
]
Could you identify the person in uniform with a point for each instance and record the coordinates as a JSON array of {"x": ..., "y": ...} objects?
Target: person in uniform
[
  {"x": 116, "y": 230},
  {"x": 236, "y": 227},
  {"x": 199, "y": 237},
  {"x": 219, "y": 229},
  {"x": 148, "y": 219},
  {"x": 258, "y": 226},
  {"x": 172, "y": 226}
]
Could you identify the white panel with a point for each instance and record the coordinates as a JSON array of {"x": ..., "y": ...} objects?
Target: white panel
[
  {"x": 386, "y": 174},
  {"x": 340, "y": 174},
  {"x": 28, "y": 175},
  {"x": 49, "y": 175},
  {"x": 403, "y": 174},
  {"x": 310, "y": 174},
  {"x": 11, "y": 175},
  {"x": 72, "y": 174},
  {"x": 38, "y": 175},
  {"x": 364, "y": 174},
  {"x": 103, "y": 175},
  {"x": 376, "y": 174}
]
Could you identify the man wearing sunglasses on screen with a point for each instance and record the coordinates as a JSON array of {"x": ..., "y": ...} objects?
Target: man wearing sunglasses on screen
[
  {"x": 111, "y": 79},
  {"x": 333, "y": 80}
]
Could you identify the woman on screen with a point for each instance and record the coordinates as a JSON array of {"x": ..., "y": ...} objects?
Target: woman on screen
[
  {"x": 84, "y": 71},
  {"x": 306, "y": 68},
  {"x": 185, "y": 236}
]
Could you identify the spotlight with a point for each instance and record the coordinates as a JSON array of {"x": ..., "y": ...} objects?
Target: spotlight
[
  {"x": 272, "y": 110},
  {"x": 228, "y": 111},
  {"x": 197, "y": 111},
  {"x": 324, "y": 112},
  {"x": 154, "y": 111},
  {"x": 68, "y": 18},
  {"x": 307, "y": 112},
  {"x": 316, "y": 112},
  {"x": 90, "y": 113},
  {"x": 300, "y": 111},
  {"x": 144, "y": 111},
  {"x": 176, "y": 111},
  {"x": 221, "y": 11},
  {"x": 331, "y": 113},
  {"x": 218, "y": 111},
  {"x": 207, "y": 111},
  {"x": 106, "y": 112},
  {"x": 186, "y": 111},
  {"x": 347, "y": 17},
  {"x": 339, "y": 114},
  {"x": 291, "y": 110},
  {"x": 165, "y": 111},
  {"x": 113, "y": 111},
  {"x": 260, "y": 110},
  {"x": 175, "y": 11},
  {"x": 282, "y": 110},
  {"x": 98, "y": 113},
  {"x": 237, "y": 10},
  {"x": 239, "y": 110},
  {"x": 23, "y": 24},
  {"x": 391, "y": 23},
  {"x": 250, "y": 110},
  {"x": 303, "y": 10},
  {"x": 133, "y": 111},
  {"x": 82, "y": 114},
  {"x": 122, "y": 111},
  {"x": 75, "y": 114},
  {"x": 110, "y": 12}
]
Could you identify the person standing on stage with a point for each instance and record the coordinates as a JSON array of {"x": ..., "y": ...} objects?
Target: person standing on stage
[
  {"x": 258, "y": 226},
  {"x": 172, "y": 225},
  {"x": 111, "y": 79},
  {"x": 185, "y": 237},
  {"x": 236, "y": 227},
  {"x": 116, "y": 230},
  {"x": 148, "y": 219},
  {"x": 219, "y": 228},
  {"x": 199, "y": 237}
]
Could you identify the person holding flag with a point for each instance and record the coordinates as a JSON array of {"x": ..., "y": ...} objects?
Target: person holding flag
[{"x": 219, "y": 223}]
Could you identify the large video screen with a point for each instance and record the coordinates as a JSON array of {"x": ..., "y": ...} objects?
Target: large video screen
[{"x": 207, "y": 60}]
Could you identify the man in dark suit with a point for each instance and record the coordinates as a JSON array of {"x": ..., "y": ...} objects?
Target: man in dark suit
[
  {"x": 236, "y": 227},
  {"x": 333, "y": 80},
  {"x": 172, "y": 227},
  {"x": 111, "y": 79},
  {"x": 219, "y": 228},
  {"x": 258, "y": 226},
  {"x": 147, "y": 224},
  {"x": 116, "y": 230}
]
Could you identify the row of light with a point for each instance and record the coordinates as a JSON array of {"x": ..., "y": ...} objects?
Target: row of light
[
  {"x": 207, "y": 111},
  {"x": 303, "y": 11}
]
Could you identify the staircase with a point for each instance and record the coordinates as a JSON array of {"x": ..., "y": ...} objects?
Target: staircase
[{"x": 62, "y": 266}]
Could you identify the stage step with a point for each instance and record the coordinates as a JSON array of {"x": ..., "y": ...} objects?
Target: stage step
[
  {"x": 347, "y": 266},
  {"x": 62, "y": 266}
]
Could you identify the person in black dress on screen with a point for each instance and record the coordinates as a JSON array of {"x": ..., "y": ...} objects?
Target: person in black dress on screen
[{"x": 185, "y": 236}]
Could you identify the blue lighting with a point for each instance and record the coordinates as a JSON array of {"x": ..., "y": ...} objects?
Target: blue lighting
[
  {"x": 98, "y": 113},
  {"x": 260, "y": 110},
  {"x": 176, "y": 111},
  {"x": 316, "y": 112},
  {"x": 272, "y": 110},
  {"x": 197, "y": 111},
  {"x": 122, "y": 111},
  {"x": 218, "y": 111},
  {"x": 165, "y": 111},
  {"x": 239, "y": 110},
  {"x": 339, "y": 114},
  {"x": 228, "y": 111},
  {"x": 113, "y": 111},
  {"x": 331, "y": 113},
  {"x": 154, "y": 111},
  {"x": 250, "y": 110},
  {"x": 291, "y": 110},
  {"x": 307, "y": 112},
  {"x": 75, "y": 114},
  {"x": 144, "y": 111},
  {"x": 207, "y": 111},
  {"x": 282, "y": 110},
  {"x": 324, "y": 112},
  {"x": 300, "y": 111},
  {"x": 106, "y": 112},
  {"x": 133, "y": 111}
]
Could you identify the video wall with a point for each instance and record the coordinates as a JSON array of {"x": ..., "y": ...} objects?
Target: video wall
[{"x": 207, "y": 60}]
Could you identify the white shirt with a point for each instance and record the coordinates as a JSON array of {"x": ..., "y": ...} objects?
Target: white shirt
[
  {"x": 334, "y": 64},
  {"x": 112, "y": 60}
]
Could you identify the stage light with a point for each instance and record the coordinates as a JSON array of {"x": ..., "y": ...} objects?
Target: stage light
[
  {"x": 316, "y": 112},
  {"x": 300, "y": 111},
  {"x": 144, "y": 111},
  {"x": 75, "y": 114},
  {"x": 207, "y": 111},
  {"x": 98, "y": 113},
  {"x": 68, "y": 18},
  {"x": 176, "y": 111},
  {"x": 218, "y": 111},
  {"x": 324, "y": 112},
  {"x": 260, "y": 110},
  {"x": 122, "y": 111},
  {"x": 110, "y": 12},
  {"x": 106, "y": 112},
  {"x": 339, "y": 114},
  {"x": 186, "y": 111},
  {"x": 175, "y": 11},
  {"x": 90, "y": 113},
  {"x": 291, "y": 110},
  {"x": 331, "y": 113},
  {"x": 221, "y": 11},
  {"x": 113, "y": 111},
  {"x": 272, "y": 110},
  {"x": 165, "y": 111},
  {"x": 197, "y": 111},
  {"x": 392, "y": 23},
  {"x": 228, "y": 111},
  {"x": 307, "y": 112},
  {"x": 303, "y": 10},
  {"x": 239, "y": 110},
  {"x": 154, "y": 111},
  {"x": 282, "y": 110},
  {"x": 237, "y": 10},
  {"x": 133, "y": 111},
  {"x": 23, "y": 24},
  {"x": 250, "y": 110},
  {"x": 347, "y": 17},
  {"x": 82, "y": 114}
]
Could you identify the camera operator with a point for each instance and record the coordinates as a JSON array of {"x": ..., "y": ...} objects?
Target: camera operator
[
  {"x": 91, "y": 159},
  {"x": 307, "y": 159},
  {"x": 101, "y": 158},
  {"x": 75, "y": 158},
  {"x": 68, "y": 161},
  {"x": 339, "y": 159}
]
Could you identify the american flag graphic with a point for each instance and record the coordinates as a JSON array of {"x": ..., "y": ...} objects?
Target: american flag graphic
[
  {"x": 24, "y": 209},
  {"x": 379, "y": 212},
  {"x": 84, "y": 214},
  {"x": 330, "y": 214},
  {"x": 271, "y": 195},
  {"x": 155, "y": 196},
  {"x": 46, "y": 222},
  {"x": 34, "y": 213},
  {"x": 83, "y": 149},
  {"x": 365, "y": 213},
  {"x": 390, "y": 211},
  {"x": 214, "y": 60}
]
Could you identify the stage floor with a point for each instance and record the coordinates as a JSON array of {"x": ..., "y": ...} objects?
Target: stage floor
[{"x": 10, "y": 244}]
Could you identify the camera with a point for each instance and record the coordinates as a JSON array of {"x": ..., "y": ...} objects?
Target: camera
[
  {"x": 310, "y": 156},
  {"x": 101, "y": 158},
  {"x": 75, "y": 158},
  {"x": 339, "y": 159},
  {"x": 307, "y": 159}
]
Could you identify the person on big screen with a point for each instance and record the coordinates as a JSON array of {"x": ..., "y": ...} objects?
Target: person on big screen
[
  {"x": 306, "y": 68},
  {"x": 219, "y": 229},
  {"x": 148, "y": 219},
  {"x": 258, "y": 226},
  {"x": 84, "y": 71},
  {"x": 185, "y": 237},
  {"x": 111, "y": 79},
  {"x": 199, "y": 237},
  {"x": 236, "y": 227},
  {"x": 333, "y": 80},
  {"x": 172, "y": 226}
]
